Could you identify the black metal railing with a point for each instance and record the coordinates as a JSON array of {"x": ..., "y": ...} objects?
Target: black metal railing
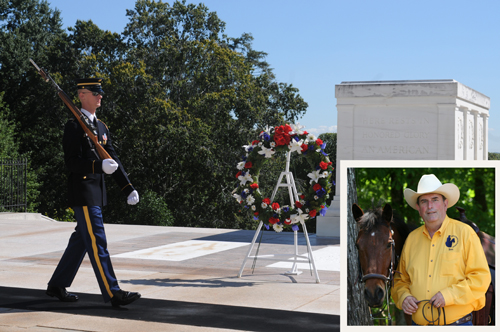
[{"x": 13, "y": 186}]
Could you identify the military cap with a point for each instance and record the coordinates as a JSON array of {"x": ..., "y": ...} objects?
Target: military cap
[{"x": 92, "y": 84}]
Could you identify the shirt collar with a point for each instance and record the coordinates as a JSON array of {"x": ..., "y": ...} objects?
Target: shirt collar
[
  {"x": 88, "y": 114},
  {"x": 441, "y": 229}
]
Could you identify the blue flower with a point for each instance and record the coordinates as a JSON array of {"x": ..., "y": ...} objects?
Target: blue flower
[
  {"x": 286, "y": 209},
  {"x": 323, "y": 211},
  {"x": 296, "y": 138},
  {"x": 266, "y": 226},
  {"x": 311, "y": 147},
  {"x": 321, "y": 192},
  {"x": 255, "y": 218},
  {"x": 295, "y": 228}
]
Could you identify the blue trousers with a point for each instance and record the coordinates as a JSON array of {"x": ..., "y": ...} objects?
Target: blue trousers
[{"x": 88, "y": 237}]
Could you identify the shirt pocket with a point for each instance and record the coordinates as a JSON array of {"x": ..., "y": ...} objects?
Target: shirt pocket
[{"x": 450, "y": 264}]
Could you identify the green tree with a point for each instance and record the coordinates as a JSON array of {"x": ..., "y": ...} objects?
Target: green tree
[
  {"x": 478, "y": 199},
  {"x": 181, "y": 100},
  {"x": 9, "y": 150},
  {"x": 493, "y": 156}
]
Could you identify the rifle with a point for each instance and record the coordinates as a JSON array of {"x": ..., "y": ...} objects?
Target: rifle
[{"x": 84, "y": 122}]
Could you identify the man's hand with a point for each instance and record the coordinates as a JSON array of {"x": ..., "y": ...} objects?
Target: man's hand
[
  {"x": 109, "y": 166},
  {"x": 410, "y": 305},
  {"x": 438, "y": 300},
  {"x": 133, "y": 198}
]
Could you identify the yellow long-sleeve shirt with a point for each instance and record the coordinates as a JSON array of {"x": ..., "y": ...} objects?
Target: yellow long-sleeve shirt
[{"x": 452, "y": 262}]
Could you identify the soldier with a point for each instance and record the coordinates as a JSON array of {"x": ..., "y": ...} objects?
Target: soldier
[{"x": 87, "y": 196}]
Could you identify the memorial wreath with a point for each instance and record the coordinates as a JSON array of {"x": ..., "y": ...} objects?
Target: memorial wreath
[{"x": 287, "y": 138}]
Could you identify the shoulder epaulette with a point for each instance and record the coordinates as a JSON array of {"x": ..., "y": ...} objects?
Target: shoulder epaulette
[{"x": 103, "y": 123}]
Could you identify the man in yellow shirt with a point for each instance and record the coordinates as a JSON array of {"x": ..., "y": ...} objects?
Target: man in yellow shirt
[{"x": 444, "y": 272}]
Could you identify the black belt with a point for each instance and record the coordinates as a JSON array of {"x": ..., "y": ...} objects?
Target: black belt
[{"x": 464, "y": 319}]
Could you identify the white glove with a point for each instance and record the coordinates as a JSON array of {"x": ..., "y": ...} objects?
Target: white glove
[
  {"x": 133, "y": 198},
  {"x": 109, "y": 166}
]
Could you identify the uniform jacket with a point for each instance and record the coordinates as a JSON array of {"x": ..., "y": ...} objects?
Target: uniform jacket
[{"x": 86, "y": 184}]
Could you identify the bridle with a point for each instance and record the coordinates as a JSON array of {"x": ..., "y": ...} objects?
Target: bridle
[{"x": 388, "y": 279}]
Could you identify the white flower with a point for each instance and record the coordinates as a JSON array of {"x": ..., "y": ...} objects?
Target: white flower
[
  {"x": 277, "y": 228},
  {"x": 300, "y": 217},
  {"x": 241, "y": 166},
  {"x": 315, "y": 176},
  {"x": 315, "y": 198},
  {"x": 260, "y": 144},
  {"x": 268, "y": 153},
  {"x": 264, "y": 205},
  {"x": 253, "y": 207},
  {"x": 247, "y": 147},
  {"x": 297, "y": 128},
  {"x": 272, "y": 144},
  {"x": 325, "y": 174},
  {"x": 311, "y": 137},
  {"x": 238, "y": 197},
  {"x": 245, "y": 178},
  {"x": 250, "y": 199},
  {"x": 295, "y": 146}
]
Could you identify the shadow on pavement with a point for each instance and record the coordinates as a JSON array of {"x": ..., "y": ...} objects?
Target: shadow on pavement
[{"x": 173, "y": 312}]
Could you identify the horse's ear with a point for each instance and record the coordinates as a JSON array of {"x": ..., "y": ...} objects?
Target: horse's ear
[
  {"x": 387, "y": 213},
  {"x": 357, "y": 212}
]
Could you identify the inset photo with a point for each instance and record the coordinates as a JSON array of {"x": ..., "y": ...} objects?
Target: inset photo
[{"x": 418, "y": 242}]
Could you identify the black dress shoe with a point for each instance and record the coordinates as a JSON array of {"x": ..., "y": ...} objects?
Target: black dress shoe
[
  {"x": 61, "y": 294},
  {"x": 123, "y": 298}
]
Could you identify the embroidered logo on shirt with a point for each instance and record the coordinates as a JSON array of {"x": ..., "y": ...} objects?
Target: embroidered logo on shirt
[{"x": 451, "y": 241}]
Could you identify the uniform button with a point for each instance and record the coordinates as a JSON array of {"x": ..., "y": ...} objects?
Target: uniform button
[
  {"x": 432, "y": 261},
  {"x": 429, "y": 275},
  {"x": 433, "y": 245}
]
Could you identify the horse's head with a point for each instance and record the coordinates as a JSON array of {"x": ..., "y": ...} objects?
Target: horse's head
[{"x": 375, "y": 246}]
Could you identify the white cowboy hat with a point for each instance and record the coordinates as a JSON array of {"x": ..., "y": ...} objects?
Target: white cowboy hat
[{"x": 430, "y": 184}]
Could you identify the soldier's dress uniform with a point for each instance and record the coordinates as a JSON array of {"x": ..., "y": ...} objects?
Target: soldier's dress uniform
[{"x": 87, "y": 195}]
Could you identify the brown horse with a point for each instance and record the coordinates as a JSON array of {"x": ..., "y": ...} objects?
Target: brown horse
[{"x": 380, "y": 241}]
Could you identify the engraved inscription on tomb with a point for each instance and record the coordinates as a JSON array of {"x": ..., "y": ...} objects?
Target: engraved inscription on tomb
[{"x": 385, "y": 137}]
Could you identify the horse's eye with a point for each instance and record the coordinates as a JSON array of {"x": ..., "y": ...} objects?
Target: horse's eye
[{"x": 389, "y": 244}]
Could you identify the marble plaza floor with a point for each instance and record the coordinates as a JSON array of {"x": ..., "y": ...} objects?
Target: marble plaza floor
[{"x": 187, "y": 278}]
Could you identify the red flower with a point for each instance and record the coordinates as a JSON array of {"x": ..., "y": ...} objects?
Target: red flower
[
  {"x": 266, "y": 200},
  {"x": 256, "y": 213},
  {"x": 287, "y": 221},
  {"x": 302, "y": 196},
  {"x": 305, "y": 133},
  {"x": 248, "y": 164},
  {"x": 273, "y": 220},
  {"x": 323, "y": 165},
  {"x": 255, "y": 142},
  {"x": 254, "y": 185},
  {"x": 304, "y": 147},
  {"x": 275, "y": 206},
  {"x": 317, "y": 187},
  {"x": 312, "y": 213},
  {"x": 282, "y": 136},
  {"x": 298, "y": 205},
  {"x": 319, "y": 141},
  {"x": 238, "y": 174}
]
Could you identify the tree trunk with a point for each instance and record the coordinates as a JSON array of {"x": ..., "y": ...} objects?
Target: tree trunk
[{"x": 358, "y": 312}]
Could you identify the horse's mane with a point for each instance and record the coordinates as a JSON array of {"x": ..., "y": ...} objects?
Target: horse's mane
[{"x": 374, "y": 216}]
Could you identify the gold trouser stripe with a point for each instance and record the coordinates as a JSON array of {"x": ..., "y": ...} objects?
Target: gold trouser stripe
[{"x": 94, "y": 250}]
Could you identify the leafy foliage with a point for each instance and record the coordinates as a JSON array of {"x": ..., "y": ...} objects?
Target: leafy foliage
[
  {"x": 477, "y": 194},
  {"x": 181, "y": 99}
]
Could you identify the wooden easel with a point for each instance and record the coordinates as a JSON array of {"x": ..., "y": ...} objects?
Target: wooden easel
[{"x": 293, "y": 195}]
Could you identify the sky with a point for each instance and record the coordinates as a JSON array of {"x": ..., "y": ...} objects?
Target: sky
[{"x": 316, "y": 44}]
